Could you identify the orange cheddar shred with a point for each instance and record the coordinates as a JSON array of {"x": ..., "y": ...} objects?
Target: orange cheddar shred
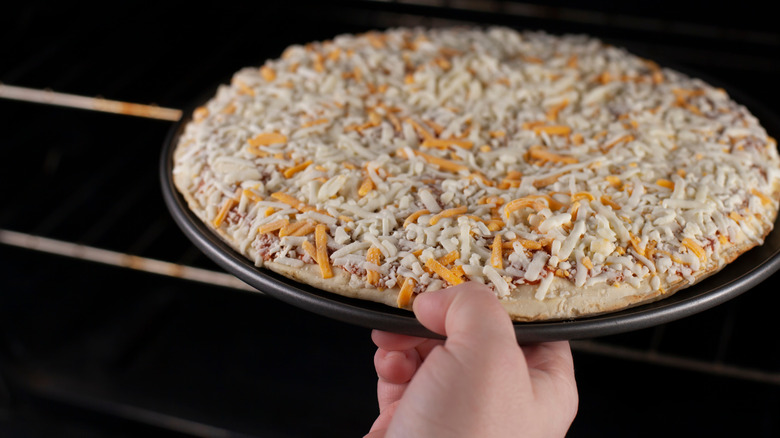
[
  {"x": 587, "y": 263},
  {"x": 305, "y": 229},
  {"x": 765, "y": 200},
  {"x": 321, "y": 244},
  {"x": 267, "y": 73},
  {"x": 449, "y": 257},
  {"x": 267, "y": 138},
  {"x": 273, "y": 226},
  {"x": 532, "y": 201},
  {"x": 450, "y": 212},
  {"x": 405, "y": 294},
  {"x": 582, "y": 195},
  {"x": 311, "y": 251},
  {"x": 290, "y": 228},
  {"x": 414, "y": 216},
  {"x": 446, "y": 142},
  {"x": 373, "y": 255},
  {"x": 497, "y": 253},
  {"x": 287, "y": 199},
  {"x": 289, "y": 172},
  {"x": 314, "y": 122},
  {"x": 552, "y": 129},
  {"x": 541, "y": 153},
  {"x": 252, "y": 195},
  {"x": 229, "y": 203},
  {"x": 552, "y": 113},
  {"x": 442, "y": 271},
  {"x": 624, "y": 139},
  {"x": 606, "y": 200},
  {"x": 419, "y": 128},
  {"x": 366, "y": 186},
  {"x": 294, "y": 202},
  {"x": 695, "y": 248}
]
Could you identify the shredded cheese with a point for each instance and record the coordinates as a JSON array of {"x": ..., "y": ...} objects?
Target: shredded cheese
[
  {"x": 412, "y": 159},
  {"x": 289, "y": 172},
  {"x": 540, "y": 153},
  {"x": 552, "y": 129},
  {"x": 450, "y": 212},
  {"x": 321, "y": 241},
  {"x": 226, "y": 206},
  {"x": 373, "y": 256},
  {"x": 273, "y": 226},
  {"x": 449, "y": 257},
  {"x": 447, "y": 275},
  {"x": 267, "y": 139},
  {"x": 497, "y": 253},
  {"x": 405, "y": 294}
]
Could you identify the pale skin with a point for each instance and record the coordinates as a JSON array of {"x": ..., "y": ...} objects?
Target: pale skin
[{"x": 477, "y": 382}]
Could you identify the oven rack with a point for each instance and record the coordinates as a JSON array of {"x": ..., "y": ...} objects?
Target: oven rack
[{"x": 37, "y": 241}]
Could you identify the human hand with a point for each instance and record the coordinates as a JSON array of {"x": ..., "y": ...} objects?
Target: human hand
[{"x": 477, "y": 382}]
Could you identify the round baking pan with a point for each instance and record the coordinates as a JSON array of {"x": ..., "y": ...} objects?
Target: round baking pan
[{"x": 744, "y": 273}]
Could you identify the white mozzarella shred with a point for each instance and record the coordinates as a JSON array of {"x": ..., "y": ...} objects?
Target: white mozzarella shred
[
  {"x": 368, "y": 266},
  {"x": 377, "y": 243},
  {"x": 319, "y": 217},
  {"x": 331, "y": 187},
  {"x": 644, "y": 260},
  {"x": 581, "y": 276},
  {"x": 502, "y": 288},
  {"x": 348, "y": 260},
  {"x": 341, "y": 237},
  {"x": 544, "y": 286},
  {"x": 655, "y": 282},
  {"x": 554, "y": 222},
  {"x": 295, "y": 263},
  {"x": 534, "y": 269},
  {"x": 572, "y": 239},
  {"x": 429, "y": 201},
  {"x": 349, "y": 249}
]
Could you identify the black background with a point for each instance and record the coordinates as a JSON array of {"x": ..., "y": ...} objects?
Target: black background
[{"x": 93, "y": 350}]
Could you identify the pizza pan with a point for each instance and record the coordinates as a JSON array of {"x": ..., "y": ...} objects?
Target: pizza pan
[{"x": 743, "y": 274}]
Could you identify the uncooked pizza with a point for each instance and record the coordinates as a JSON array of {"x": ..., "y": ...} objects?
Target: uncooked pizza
[{"x": 570, "y": 176}]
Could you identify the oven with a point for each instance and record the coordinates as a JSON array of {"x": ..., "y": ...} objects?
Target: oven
[{"x": 112, "y": 323}]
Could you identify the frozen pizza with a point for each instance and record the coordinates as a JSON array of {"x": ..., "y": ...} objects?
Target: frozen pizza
[{"x": 570, "y": 176}]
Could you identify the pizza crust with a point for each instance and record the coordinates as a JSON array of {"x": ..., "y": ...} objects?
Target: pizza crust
[
  {"x": 227, "y": 201},
  {"x": 521, "y": 304}
]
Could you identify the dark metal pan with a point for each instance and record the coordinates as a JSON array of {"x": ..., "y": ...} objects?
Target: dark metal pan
[{"x": 740, "y": 276}]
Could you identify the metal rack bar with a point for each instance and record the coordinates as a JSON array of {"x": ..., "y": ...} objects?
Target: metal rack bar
[
  {"x": 655, "y": 358},
  {"x": 89, "y": 103},
  {"x": 99, "y": 255}
]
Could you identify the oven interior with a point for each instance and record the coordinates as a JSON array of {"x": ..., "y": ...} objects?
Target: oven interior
[{"x": 113, "y": 324}]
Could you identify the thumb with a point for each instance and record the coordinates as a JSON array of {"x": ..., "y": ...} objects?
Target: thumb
[{"x": 468, "y": 312}]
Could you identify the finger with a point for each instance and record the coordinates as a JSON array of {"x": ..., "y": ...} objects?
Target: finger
[
  {"x": 424, "y": 349},
  {"x": 394, "y": 369},
  {"x": 394, "y": 341},
  {"x": 382, "y": 421},
  {"x": 396, "y": 366},
  {"x": 549, "y": 356},
  {"x": 468, "y": 312},
  {"x": 377, "y": 431},
  {"x": 551, "y": 363},
  {"x": 551, "y": 369}
]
